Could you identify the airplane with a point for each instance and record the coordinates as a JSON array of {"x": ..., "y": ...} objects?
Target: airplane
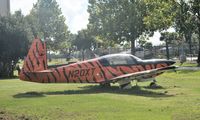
[{"x": 107, "y": 69}]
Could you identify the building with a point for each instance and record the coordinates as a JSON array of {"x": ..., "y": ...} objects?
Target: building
[{"x": 4, "y": 7}]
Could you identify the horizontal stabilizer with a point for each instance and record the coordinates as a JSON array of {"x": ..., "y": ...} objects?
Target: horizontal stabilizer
[{"x": 43, "y": 71}]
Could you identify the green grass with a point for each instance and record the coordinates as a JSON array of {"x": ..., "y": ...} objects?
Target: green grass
[
  {"x": 187, "y": 64},
  {"x": 177, "y": 99}
]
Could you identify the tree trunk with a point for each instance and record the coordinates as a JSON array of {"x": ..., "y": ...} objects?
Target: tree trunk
[
  {"x": 83, "y": 55},
  {"x": 49, "y": 56},
  {"x": 189, "y": 40},
  {"x": 198, "y": 60},
  {"x": 133, "y": 47},
  {"x": 167, "y": 49}
]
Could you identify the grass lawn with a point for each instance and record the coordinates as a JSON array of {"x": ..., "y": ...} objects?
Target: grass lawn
[{"x": 177, "y": 99}]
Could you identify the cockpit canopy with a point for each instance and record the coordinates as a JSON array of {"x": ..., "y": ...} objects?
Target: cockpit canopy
[{"x": 118, "y": 59}]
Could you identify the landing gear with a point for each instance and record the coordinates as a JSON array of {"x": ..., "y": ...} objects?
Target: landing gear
[
  {"x": 126, "y": 86},
  {"x": 153, "y": 84}
]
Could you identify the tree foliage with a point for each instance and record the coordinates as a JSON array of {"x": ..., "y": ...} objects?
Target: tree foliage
[
  {"x": 83, "y": 41},
  {"x": 15, "y": 33},
  {"x": 160, "y": 14},
  {"x": 168, "y": 37},
  {"x": 195, "y": 9},
  {"x": 184, "y": 15},
  {"x": 50, "y": 23},
  {"x": 117, "y": 20}
]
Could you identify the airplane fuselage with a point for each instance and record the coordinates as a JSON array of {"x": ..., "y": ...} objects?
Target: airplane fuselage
[
  {"x": 120, "y": 68},
  {"x": 98, "y": 70}
]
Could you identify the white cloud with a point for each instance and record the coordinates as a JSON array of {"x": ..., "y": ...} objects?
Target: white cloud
[
  {"x": 75, "y": 11},
  {"x": 155, "y": 39}
]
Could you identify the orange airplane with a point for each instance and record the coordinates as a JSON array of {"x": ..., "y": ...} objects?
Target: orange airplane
[{"x": 113, "y": 68}]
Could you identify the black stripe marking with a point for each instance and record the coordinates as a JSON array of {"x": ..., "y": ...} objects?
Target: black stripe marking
[
  {"x": 38, "y": 63},
  {"x": 139, "y": 68},
  {"x": 111, "y": 73},
  {"x": 64, "y": 72},
  {"x": 79, "y": 65},
  {"x": 162, "y": 65},
  {"x": 86, "y": 77},
  {"x": 91, "y": 64},
  {"x": 72, "y": 67},
  {"x": 150, "y": 66},
  {"x": 35, "y": 76},
  {"x": 122, "y": 70},
  {"x": 101, "y": 74},
  {"x": 58, "y": 72},
  {"x": 143, "y": 66},
  {"x": 87, "y": 80},
  {"x": 37, "y": 50},
  {"x": 48, "y": 79},
  {"x": 80, "y": 80},
  {"x": 28, "y": 66},
  {"x": 42, "y": 43},
  {"x": 78, "y": 76},
  {"x": 54, "y": 77},
  {"x": 31, "y": 62},
  {"x": 85, "y": 65},
  {"x": 102, "y": 71},
  {"x": 44, "y": 64},
  {"x": 130, "y": 67},
  {"x": 27, "y": 76},
  {"x": 154, "y": 66}
]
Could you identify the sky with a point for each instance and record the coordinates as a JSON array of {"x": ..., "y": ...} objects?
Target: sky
[{"x": 75, "y": 11}]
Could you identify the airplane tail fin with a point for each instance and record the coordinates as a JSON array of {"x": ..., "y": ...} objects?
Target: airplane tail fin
[{"x": 36, "y": 59}]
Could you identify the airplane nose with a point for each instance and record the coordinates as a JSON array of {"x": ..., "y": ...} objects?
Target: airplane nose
[{"x": 170, "y": 62}]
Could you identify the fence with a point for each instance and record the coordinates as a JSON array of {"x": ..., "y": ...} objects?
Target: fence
[{"x": 155, "y": 52}]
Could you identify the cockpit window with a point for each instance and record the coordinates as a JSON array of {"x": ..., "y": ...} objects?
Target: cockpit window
[
  {"x": 118, "y": 60},
  {"x": 104, "y": 62}
]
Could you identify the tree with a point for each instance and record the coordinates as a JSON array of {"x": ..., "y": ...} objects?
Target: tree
[
  {"x": 184, "y": 22},
  {"x": 168, "y": 38},
  {"x": 117, "y": 20},
  {"x": 148, "y": 45},
  {"x": 47, "y": 16},
  {"x": 68, "y": 47},
  {"x": 160, "y": 15},
  {"x": 142, "y": 40},
  {"x": 170, "y": 13},
  {"x": 83, "y": 41},
  {"x": 14, "y": 42},
  {"x": 195, "y": 9}
]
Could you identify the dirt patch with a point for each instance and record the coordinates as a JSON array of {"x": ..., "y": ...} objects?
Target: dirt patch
[{"x": 4, "y": 115}]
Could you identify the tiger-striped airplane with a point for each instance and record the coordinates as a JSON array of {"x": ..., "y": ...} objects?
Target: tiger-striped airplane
[{"x": 113, "y": 68}]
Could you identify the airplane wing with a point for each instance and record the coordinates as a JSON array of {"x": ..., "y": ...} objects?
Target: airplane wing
[{"x": 143, "y": 74}]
